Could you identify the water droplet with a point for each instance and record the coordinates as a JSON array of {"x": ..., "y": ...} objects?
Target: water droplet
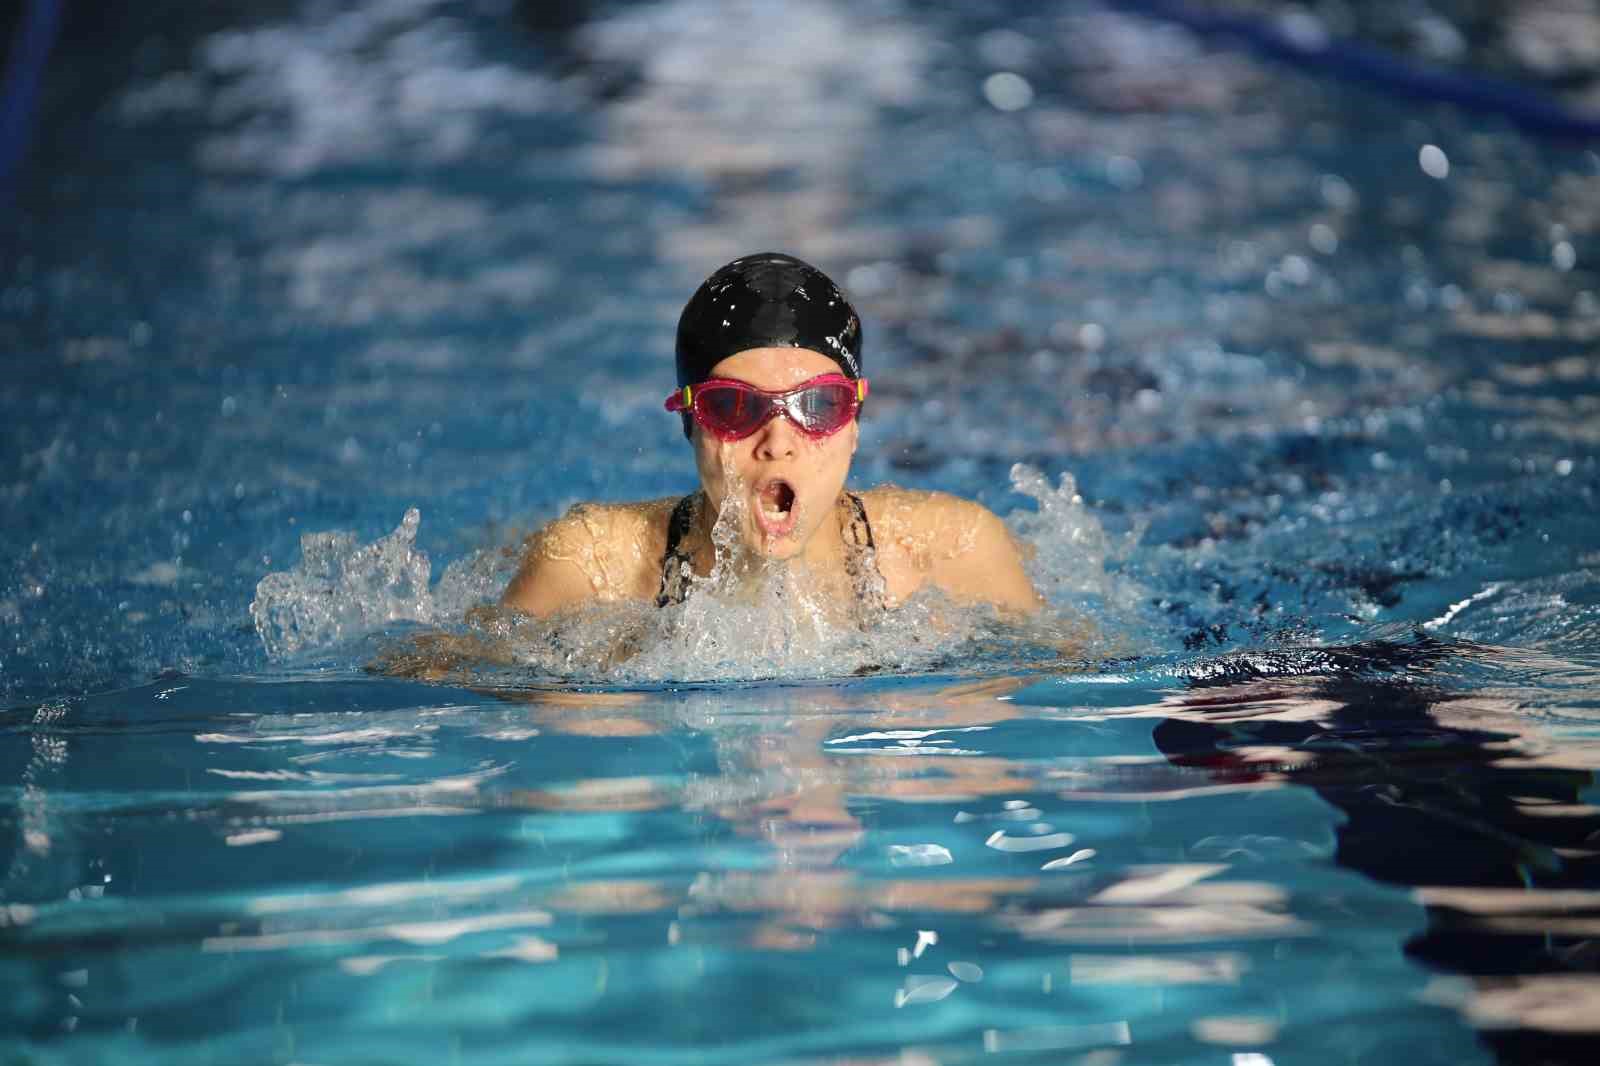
[
  {"x": 1434, "y": 162},
  {"x": 1303, "y": 30},
  {"x": 1006, "y": 91},
  {"x": 1337, "y": 193},
  {"x": 1323, "y": 239},
  {"x": 1124, "y": 172}
]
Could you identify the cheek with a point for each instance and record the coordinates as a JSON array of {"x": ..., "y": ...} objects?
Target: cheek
[
  {"x": 717, "y": 463},
  {"x": 706, "y": 460},
  {"x": 832, "y": 455}
]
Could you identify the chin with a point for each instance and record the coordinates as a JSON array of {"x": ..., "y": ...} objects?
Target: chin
[{"x": 784, "y": 547}]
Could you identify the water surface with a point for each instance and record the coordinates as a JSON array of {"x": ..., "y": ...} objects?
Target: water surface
[{"x": 1300, "y": 377}]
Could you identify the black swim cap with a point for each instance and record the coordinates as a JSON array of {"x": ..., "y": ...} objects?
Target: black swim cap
[{"x": 767, "y": 300}]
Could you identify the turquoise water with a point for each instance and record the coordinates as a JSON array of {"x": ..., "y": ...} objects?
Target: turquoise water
[{"x": 1288, "y": 383}]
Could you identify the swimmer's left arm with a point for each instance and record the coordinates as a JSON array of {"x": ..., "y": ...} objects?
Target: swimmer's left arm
[{"x": 986, "y": 565}]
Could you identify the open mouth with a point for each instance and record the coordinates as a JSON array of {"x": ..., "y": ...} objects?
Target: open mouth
[{"x": 775, "y": 507}]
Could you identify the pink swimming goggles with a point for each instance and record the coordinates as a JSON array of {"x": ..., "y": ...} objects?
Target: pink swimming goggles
[{"x": 732, "y": 410}]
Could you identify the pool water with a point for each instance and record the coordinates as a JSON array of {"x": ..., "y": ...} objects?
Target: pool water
[{"x": 311, "y": 312}]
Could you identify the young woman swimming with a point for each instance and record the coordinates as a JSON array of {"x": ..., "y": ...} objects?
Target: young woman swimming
[{"x": 769, "y": 387}]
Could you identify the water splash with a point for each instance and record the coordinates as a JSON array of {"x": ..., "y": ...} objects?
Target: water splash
[
  {"x": 745, "y": 620},
  {"x": 1070, "y": 557},
  {"x": 343, "y": 588}
]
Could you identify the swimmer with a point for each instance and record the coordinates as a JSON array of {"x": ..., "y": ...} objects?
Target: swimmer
[{"x": 770, "y": 385}]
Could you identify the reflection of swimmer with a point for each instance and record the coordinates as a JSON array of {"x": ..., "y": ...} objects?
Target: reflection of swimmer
[
  {"x": 1455, "y": 795},
  {"x": 775, "y": 780},
  {"x": 769, "y": 385}
]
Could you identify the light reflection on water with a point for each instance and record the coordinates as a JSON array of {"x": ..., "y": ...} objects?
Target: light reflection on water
[{"x": 1016, "y": 864}]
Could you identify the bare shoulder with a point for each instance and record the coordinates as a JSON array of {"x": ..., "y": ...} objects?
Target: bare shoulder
[
  {"x": 594, "y": 552},
  {"x": 929, "y": 525},
  {"x": 605, "y": 527},
  {"x": 957, "y": 544}
]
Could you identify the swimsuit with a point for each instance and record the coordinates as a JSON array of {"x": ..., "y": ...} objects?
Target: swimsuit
[{"x": 860, "y": 561}]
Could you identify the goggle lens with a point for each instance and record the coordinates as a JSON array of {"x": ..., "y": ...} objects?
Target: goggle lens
[
  {"x": 823, "y": 409},
  {"x": 733, "y": 410}
]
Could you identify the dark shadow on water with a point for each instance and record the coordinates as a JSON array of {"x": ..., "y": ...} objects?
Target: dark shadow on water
[{"x": 1441, "y": 792}]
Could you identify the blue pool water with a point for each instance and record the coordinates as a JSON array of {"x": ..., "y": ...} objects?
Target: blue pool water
[{"x": 1288, "y": 382}]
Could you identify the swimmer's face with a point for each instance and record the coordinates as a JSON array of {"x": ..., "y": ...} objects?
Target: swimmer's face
[{"x": 784, "y": 483}]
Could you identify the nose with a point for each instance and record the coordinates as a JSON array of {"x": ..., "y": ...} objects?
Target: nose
[{"x": 777, "y": 439}]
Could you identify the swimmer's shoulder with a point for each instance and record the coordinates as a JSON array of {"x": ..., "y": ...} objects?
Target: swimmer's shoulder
[
  {"x": 952, "y": 542},
  {"x": 607, "y": 525},
  {"x": 595, "y": 552},
  {"x": 927, "y": 524}
]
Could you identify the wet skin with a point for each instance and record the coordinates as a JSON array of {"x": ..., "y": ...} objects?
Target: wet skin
[
  {"x": 756, "y": 469},
  {"x": 779, "y": 491}
]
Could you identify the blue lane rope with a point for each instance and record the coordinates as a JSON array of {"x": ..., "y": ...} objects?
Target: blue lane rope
[
  {"x": 1355, "y": 62},
  {"x": 30, "y": 48}
]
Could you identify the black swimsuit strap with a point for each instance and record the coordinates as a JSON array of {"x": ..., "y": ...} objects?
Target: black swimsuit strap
[
  {"x": 860, "y": 560},
  {"x": 675, "y": 563},
  {"x": 860, "y": 528}
]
